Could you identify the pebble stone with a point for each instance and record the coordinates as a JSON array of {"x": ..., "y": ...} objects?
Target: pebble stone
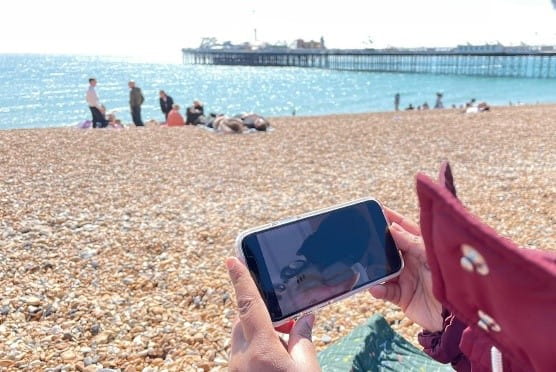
[
  {"x": 68, "y": 355},
  {"x": 112, "y": 243}
]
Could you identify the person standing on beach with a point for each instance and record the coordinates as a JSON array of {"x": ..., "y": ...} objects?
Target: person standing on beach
[
  {"x": 95, "y": 106},
  {"x": 397, "y": 102},
  {"x": 136, "y": 99},
  {"x": 166, "y": 103},
  {"x": 438, "y": 104}
]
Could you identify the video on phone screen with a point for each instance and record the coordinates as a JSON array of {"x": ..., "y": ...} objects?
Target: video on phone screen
[{"x": 313, "y": 260}]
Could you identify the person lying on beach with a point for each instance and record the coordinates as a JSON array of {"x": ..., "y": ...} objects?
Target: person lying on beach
[
  {"x": 238, "y": 123},
  {"x": 175, "y": 119},
  {"x": 195, "y": 114},
  {"x": 225, "y": 124},
  {"x": 254, "y": 121},
  {"x": 452, "y": 262},
  {"x": 472, "y": 107},
  {"x": 113, "y": 122}
]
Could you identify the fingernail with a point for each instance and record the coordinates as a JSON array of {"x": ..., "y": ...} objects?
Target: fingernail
[
  {"x": 396, "y": 227},
  {"x": 377, "y": 291},
  {"x": 305, "y": 328},
  {"x": 230, "y": 263},
  {"x": 309, "y": 320}
]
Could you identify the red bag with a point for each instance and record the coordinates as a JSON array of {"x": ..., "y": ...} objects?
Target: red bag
[{"x": 505, "y": 294}]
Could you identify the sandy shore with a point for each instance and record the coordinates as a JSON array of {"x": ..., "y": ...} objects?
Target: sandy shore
[{"x": 112, "y": 242}]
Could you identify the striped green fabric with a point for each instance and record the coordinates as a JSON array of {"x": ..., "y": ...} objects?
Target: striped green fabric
[{"x": 375, "y": 346}]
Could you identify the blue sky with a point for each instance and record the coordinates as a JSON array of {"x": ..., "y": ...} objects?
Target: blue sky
[{"x": 158, "y": 30}]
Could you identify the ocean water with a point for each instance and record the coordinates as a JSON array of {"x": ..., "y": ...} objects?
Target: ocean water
[{"x": 49, "y": 90}]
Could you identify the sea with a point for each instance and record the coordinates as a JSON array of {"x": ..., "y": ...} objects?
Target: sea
[{"x": 39, "y": 91}]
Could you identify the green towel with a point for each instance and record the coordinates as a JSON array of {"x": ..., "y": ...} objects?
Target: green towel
[{"x": 376, "y": 347}]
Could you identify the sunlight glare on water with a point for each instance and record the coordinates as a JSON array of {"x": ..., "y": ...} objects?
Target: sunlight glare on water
[{"x": 47, "y": 90}]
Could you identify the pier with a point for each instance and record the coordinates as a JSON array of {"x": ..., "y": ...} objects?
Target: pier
[{"x": 491, "y": 64}]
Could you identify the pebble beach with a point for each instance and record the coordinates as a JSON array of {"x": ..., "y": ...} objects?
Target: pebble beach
[{"x": 112, "y": 242}]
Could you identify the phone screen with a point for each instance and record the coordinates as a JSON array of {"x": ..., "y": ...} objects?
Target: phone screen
[{"x": 304, "y": 263}]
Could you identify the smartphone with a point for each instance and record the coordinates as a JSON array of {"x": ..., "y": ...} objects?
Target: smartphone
[{"x": 303, "y": 263}]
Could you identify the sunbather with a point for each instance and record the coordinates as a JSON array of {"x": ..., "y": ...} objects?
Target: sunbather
[
  {"x": 114, "y": 122},
  {"x": 226, "y": 124},
  {"x": 175, "y": 119},
  {"x": 254, "y": 121},
  {"x": 195, "y": 114}
]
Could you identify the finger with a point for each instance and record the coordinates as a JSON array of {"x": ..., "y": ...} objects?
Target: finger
[
  {"x": 283, "y": 339},
  {"x": 390, "y": 292},
  {"x": 406, "y": 223},
  {"x": 408, "y": 242},
  {"x": 378, "y": 291},
  {"x": 301, "y": 346},
  {"x": 252, "y": 311}
]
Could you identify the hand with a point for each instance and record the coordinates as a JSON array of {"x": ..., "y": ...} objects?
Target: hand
[
  {"x": 412, "y": 290},
  {"x": 255, "y": 344}
]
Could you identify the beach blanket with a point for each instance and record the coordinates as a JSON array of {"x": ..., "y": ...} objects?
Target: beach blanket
[
  {"x": 375, "y": 346},
  {"x": 85, "y": 124}
]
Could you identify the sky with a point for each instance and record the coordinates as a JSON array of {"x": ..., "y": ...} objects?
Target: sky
[{"x": 158, "y": 30}]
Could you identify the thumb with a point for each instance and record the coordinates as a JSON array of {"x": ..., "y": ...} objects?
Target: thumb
[
  {"x": 388, "y": 292},
  {"x": 300, "y": 345},
  {"x": 378, "y": 291}
]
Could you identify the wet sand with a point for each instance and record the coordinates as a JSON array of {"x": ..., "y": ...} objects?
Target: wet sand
[{"x": 113, "y": 241}]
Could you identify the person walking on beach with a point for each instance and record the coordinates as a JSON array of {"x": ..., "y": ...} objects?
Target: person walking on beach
[
  {"x": 95, "y": 106},
  {"x": 166, "y": 103},
  {"x": 397, "y": 102},
  {"x": 136, "y": 99}
]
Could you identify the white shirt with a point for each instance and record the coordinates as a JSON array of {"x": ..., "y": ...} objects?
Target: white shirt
[{"x": 92, "y": 97}]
